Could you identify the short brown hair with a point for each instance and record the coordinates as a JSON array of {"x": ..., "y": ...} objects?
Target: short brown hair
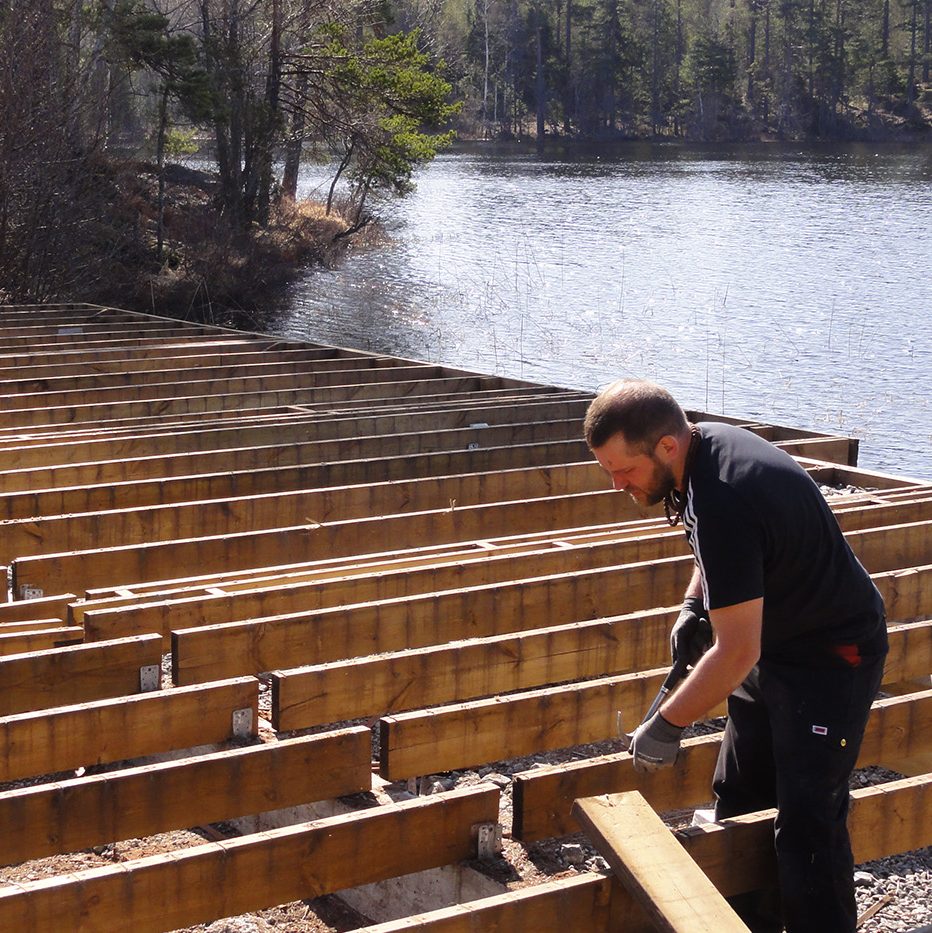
[{"x": 641, "y": 411}]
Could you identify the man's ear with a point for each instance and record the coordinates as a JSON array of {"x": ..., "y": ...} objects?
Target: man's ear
[{"x": 669, "y": 446}]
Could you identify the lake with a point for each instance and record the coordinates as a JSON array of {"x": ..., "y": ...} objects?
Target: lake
[{"x": 780, "y": 283}]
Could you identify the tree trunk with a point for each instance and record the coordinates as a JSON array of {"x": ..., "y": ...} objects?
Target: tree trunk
[
  {"x": 270, "y": 117},
  {"x": 160, "y": 161},
  {"x": 540, "y": 86}
]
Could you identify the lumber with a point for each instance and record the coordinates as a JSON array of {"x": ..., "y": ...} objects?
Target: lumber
[
  {"x": 584, "y": 903},
  {"x": 213, "y": 880},
  {"x": 738, "y": 855},
  {"x": 302, "y": 378},
  {"x": 200, "y": 654},
  {"x": 22, "y": 610},
  {"x": 375, "y": 584},
  {"x": 285, "y": 429},
  {"x": 65, "y": 816},
  {"x": 147, "y": 561},
  {"x": 66, "y": 737},
  {"x": 479, "y": 731},
  {"x": 253, "y": 407},
  {"x": 408, "y": 679},
  {"x": 258, "y": 471},
  {"x": 898, "y": 729},
  {"x": 498, "y": 728},
  {"x": 77, "y": 674},
  {"x": 538, "y": 908},
  {"x": 39, "y": 639},
  {"x": 258, "y": 398},
  {"x": 669, "y": 886},
  {"x": 49, "y": 379},
  {"x": 265, "y": 509},
  {"x": 324, "y": 635}
]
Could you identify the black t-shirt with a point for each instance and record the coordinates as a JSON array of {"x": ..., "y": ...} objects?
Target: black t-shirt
[{"x": 760, "y": 527}]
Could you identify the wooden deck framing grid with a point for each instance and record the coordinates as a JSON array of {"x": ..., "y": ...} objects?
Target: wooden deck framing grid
[{"x": 308, "y": 536}]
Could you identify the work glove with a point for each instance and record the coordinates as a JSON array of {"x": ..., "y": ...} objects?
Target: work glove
[
  {"x": 692, "y": 632},
  {"x": 655, "y": 744}
]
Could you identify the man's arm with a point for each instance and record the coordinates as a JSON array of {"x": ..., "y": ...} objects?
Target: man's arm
[{"x": 723, "y": 667}]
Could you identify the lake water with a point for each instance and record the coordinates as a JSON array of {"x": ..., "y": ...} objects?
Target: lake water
[{"x": 784, "y": 284}]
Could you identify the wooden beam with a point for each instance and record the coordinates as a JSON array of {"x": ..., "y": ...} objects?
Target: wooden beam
[
  {"x": 479, "y": 731},
  {"x": 899, "y": 728},
  {"x": 395, "y": 681},
  {"x": 545, "y": 908},
  {"x": 402, "y": 680},
  {"x": 77, "y": 674},
  {"x": 582, "y": 903},
  {"x": 200, "y": 654},
  {"x": 354, "y": 587},
  {"x": 303, "y": 378},
  {"x": 40, "y": 639},
  {"x": 345, "y": 631},
  {"x": 67, "y": 737},
  {"x": 738, "y": 854},
  {"x": 39, "y": 379},
  {"x": 142, "y": 562},
  {"x": 22, "y": 610},
  {"x": 258, "y": 398},
  {"x": 250, "y": 471},
  {"x": 669, "y": 886},
  {"x": 262, "y": 432},
  {"x": 65, "y": 816},
  {"x": 199, "y": 884}
]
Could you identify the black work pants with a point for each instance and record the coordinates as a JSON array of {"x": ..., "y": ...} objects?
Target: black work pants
[{"x": 791, "y": 742}]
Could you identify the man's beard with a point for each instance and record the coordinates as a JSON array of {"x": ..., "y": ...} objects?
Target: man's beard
[{"x": 662, "y": 483}]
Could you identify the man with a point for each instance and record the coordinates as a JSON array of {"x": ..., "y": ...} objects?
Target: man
[{"x": 799, "y": 645}]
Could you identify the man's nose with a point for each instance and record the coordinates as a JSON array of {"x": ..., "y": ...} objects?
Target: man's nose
[{"x": 619, "y": 483}]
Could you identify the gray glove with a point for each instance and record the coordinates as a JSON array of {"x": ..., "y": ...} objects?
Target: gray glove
[
  {"x": 655, "y": 744},
  {"x": 692, "y": 632}
]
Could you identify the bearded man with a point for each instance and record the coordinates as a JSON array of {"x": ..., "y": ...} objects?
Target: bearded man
[{"x": 799, "y": 638}]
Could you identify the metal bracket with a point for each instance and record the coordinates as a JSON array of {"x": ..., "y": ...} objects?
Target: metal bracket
[
  {"x": 26, "y": 591},
  {"x": 150, "y": 676},
  {"x": 242, "y": 722},
  {"x": 488, "y": 839}
]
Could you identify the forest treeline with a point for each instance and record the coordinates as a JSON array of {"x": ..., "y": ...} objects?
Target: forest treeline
[
  {"x": 100, "y": 98},
  {"x": 700, "y": 69}
]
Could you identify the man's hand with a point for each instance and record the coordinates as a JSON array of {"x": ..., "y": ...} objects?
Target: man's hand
[
  {"x": 655, "y": 744},
  {"x": 692, "y": 632}
]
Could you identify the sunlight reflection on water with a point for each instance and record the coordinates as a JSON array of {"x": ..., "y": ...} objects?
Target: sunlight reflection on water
[{"x": 781, "y": 284}]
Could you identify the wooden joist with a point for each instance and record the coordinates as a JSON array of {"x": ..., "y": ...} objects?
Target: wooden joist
[
  {"x": 79, "y": 674},
  {"x": 127, "y": 484},
  {"x": 199, "y": 654},
  {"x": 371, "y": 394},
  {"x": 899, "y": 728},
  {"x": 669, "y": 886},
  {"x": 90, "y": 567},
  {"x": 394, "y": 681},
  {"x": 435, "y": 580},
  {"x": 320, "y": 636},
  {"x": 41, "y": 638},
  {"x": 66, "y": 816},
  {"x": 215, "y": 880},
  {"x": 884, "y": 820},
  {"x": 68, "y": 737},
  {"x": 285, "y": 430},
  {"x": 479, "y": 731},
  {"x": 738, "y": 854}
]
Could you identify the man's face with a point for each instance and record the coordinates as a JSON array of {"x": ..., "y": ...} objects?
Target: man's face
[{"x": 646, "y": 477}]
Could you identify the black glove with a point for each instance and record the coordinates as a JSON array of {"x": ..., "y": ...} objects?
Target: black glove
[
  {"x": 692, "y": 632},
  {"x": 655, "y": 744}
]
